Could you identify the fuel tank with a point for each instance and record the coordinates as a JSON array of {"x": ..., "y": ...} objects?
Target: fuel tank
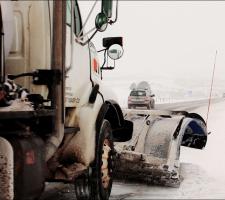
[{"x": 29, "y": 167}]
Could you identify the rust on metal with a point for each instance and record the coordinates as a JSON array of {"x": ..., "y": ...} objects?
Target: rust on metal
[
  {"x": 4, "y": 179},
  {"x": 152, "y": 155},
  {"x": 105, "y": 164},
  {"x": 69, "y": 173}
]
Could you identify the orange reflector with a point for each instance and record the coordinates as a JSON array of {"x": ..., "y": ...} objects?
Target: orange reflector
[
  {"x": 95, "y": 65},
  {"x": 30, "y": 158},
  {"x": 2, "y": 94}
]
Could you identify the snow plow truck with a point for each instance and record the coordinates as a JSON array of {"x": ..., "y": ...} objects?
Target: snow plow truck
[{"x": 58, "y": 121}]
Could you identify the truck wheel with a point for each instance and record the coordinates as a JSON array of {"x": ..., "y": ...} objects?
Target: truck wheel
[{"x": 97, "y": 184}]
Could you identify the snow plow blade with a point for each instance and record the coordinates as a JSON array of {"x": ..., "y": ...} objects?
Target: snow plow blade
[{"x": 152, "y": 155}]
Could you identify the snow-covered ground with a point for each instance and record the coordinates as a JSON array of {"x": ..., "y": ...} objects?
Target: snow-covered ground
[{"x": 203, "y": 170}]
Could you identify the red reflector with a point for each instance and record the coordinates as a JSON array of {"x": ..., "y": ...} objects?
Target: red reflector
[
  {"x": 2, "y": 94},
  {"x": 95, "y": 65},
  {"x": 30, "y": 158}
]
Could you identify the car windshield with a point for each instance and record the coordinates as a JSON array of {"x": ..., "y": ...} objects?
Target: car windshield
[{"x": 138, "y": 93}]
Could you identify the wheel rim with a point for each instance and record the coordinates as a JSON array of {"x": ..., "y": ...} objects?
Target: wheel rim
[{"x": 105, "y": 168}]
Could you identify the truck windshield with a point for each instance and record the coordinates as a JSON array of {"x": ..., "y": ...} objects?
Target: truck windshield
[
  {"x": 78, "y": 20},
  {"x": 68, "y": 13},
  {"x": 138, "y": 93},
  {"x": 77, "y": 16}
]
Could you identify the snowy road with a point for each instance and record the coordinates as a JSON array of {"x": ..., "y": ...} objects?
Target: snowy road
[
  {"x": 203, "y": 170},
  {"x": 186, "y": 105}
]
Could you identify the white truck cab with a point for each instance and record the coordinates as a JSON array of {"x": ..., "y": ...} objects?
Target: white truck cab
[{"x": 82, "y": 147}]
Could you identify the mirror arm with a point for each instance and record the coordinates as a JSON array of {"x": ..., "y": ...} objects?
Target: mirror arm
[
  {"x": 106, "y": 68},
  {"x": 102, "y": 67},
  {"x": 89, "y": 39},
  {"x": 101, "y": 50},
  {"x": 104, "y": 60},
  {"x": 114, "y": 21},
  {"x": 87, "y": 18}
]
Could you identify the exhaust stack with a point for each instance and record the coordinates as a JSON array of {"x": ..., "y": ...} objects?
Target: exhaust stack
[{"x": 58, "y": 63}]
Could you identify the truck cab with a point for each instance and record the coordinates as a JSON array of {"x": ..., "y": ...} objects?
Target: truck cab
[{"x": 78, "y": 141}]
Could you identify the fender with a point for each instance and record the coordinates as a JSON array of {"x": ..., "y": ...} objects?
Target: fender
[
  {"x": 190, "y": 130},
  {"x": 122, "y": 129},
  {"x": 196, "y": 116},
  {"x": 193, "y": 131}
]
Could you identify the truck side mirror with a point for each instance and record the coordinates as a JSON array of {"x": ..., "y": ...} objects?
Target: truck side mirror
[
  {"x": 114, "y": 47},
  {"x": 109, "y": 41},
  {"x": 115, "y": 51},
  {"x": 101, "y": 22},
  {"x": 107, "y": 8}
]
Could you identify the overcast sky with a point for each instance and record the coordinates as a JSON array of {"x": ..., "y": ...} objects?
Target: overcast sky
[{"x": 172, "y": 40}]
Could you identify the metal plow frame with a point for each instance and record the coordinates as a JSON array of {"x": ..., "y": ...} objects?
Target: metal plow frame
[{"x": 152, "y": 155}]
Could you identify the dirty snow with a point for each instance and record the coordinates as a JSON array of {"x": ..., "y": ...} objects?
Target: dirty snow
[{"x": 203, "y": 170}]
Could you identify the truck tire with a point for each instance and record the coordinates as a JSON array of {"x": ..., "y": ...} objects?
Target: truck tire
[{"x": 97, "y": 184}]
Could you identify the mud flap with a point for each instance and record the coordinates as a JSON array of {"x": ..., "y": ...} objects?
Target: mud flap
[
  {"x": 29, "y": 167},
  {"x": 6, "y": 169},
  {"x": 124, "y": 133}
]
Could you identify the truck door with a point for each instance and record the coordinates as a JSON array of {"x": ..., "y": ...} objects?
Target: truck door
[
  {"x": 78, "y": 77},
  {"x": 31, "y": 43}
]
